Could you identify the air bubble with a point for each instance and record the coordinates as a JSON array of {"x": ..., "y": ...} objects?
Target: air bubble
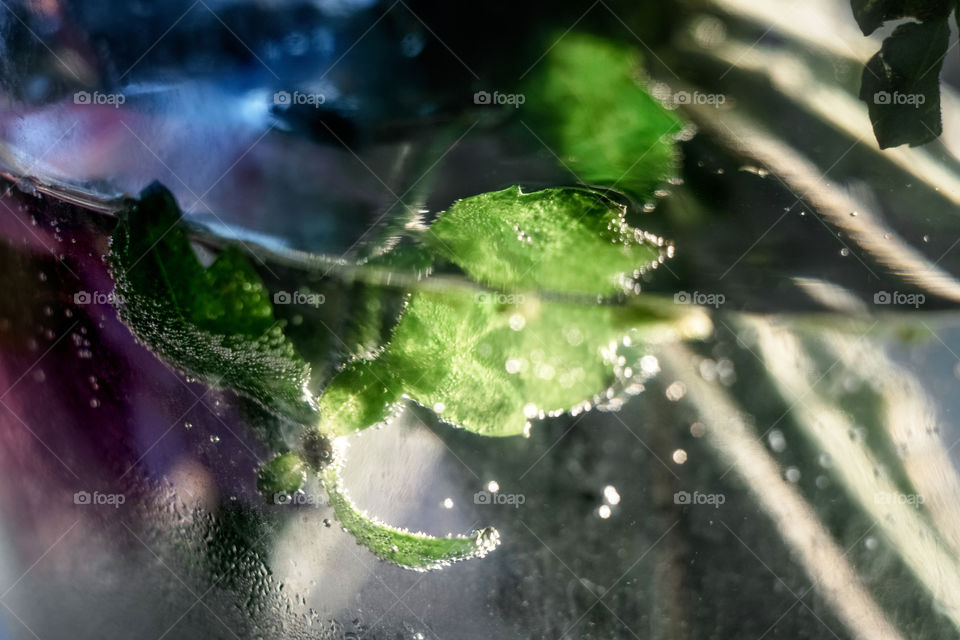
[
  {"x": 611, "y": 495},
  {"x": 676, "y": 391},
  {"x": 777, "y": 442}
]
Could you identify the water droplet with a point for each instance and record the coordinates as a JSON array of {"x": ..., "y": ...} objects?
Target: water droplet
[
  {"x": 188, "y": 425},
  {"x": 676, "y": 391},
  {"x": 792, "y": 474},
  {"x": 448, "y": 503},
  {"x": 604, "y": 511},
  {"x": 871, "y": 543},
  {"x": 650, "y": 365},
  {"x": 844, "y": 252},
  {"x": 777, "y": 442},
  {"x": 214, "y": 439},
  {"x": 611, "y": 495},
  {"x": 698, "y": 429},
  {"x": 708, "y": 369},
  {"x": 679, "y": 456},
  {"x": 493, "y": 486}
]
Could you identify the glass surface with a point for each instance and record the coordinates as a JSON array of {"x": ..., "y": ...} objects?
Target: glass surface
[{"x": 791, "y": 474}]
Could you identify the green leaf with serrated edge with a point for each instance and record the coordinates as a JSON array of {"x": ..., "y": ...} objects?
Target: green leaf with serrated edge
[
  {"x": 901, "y": 84},
  {"x": 563, "y": 240},
  {"x": 871, "y": 14},
  {"x": 585, "y": 100},
  {"x": 417, "y": 551},
  {"x": 215, "y": 323},
  {"x": 491, "y": 362}
]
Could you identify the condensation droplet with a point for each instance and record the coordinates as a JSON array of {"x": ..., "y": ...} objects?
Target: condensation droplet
[
  {"x": 611, "y": 495},
  {"x": 777, "y": 442},
  {"x": 650, "y": 365},
  {"x": 676, "y": 391}
]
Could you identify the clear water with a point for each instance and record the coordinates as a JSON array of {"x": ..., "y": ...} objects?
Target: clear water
[{"x": 793, "y": 475}]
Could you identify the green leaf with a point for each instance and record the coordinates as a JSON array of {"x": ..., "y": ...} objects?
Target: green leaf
[
  {"x": 284, "y": 474},
  {"x": 491, "y": 362},
  {"x": 587, "y": 103},
  {"x": 563, "y": 240},
  {"x": 215, "y": 323},
  {"x": 417, "y": 551},
  {"x": 901, "y": 84},
  {"x": 871, "y": 14}
]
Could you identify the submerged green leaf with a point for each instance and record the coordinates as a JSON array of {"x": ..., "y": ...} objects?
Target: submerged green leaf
[
  {"x": 514, "y": 240},
  {"x": 284, "y": 474},
  {"x": 491, "y": 362},
  {"x": 215, "y": 323},
  {"x": 587, "y": 103},
  {"x": 417, "y": 551},
  {"x": 901, "y": 84}
]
